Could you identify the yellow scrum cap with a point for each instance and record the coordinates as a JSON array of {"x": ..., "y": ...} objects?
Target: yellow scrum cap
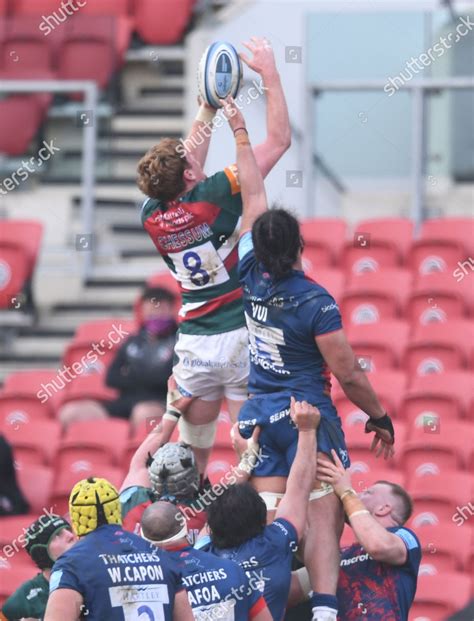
[{"x": 93, "y": 502}]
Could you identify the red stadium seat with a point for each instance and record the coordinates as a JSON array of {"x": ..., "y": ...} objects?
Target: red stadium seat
[
  {"x": 437, "y": 298},
  {"x": 13, "y": 272},
  {"x": 223, "y": 457},
  {"x": 169, "y": 27},
  {"x": 28, "y": 395},
  {"x": 388, "y": 385},
  {"x": 363, "y": 476},
  {"x": 444, "y": 396},
  {"x": 35, "y": 442},
  {"x": 88, "y": 51},
  {"x": 330, "y": 279},
  {"x": 28, "y": 234},
  {"x": 20, "y": 119},
  {"x": 432, "y": 350},
  {"x": 95, "y": 344},
  {"x": 441, "y": 495},
  {"x": 375, "y": 296},
  {"x": 442, "y": 243},
  {"x": 446, "y": 546},
  {"x": 67, "y": 479},
  {"x": 123, "y": 23},
  {"x": 358, "y": 443},
  {"x": 38, "y": 7},
  {"x": 437, "y": 447},
  {"x": 377, "y": 244},
  {"x": 90, "y": 386},
  {"x": 23, "y": 41},
  {"x": 324, "y": 239},
  {"x": 3, "y": 7},
  {"x": 12, "y": 535},
  {"x": 100, "y": 441},
  {"x": 36, "y": 482},
  {"x": 379, "y": 345},
  {"x": 439, "y": 596}
]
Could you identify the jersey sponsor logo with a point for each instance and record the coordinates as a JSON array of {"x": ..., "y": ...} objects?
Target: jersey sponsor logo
[
  {"x": 260, "y": 313},
  {"x": 360, "y": 558},
  {"x": 249, "y": 563},
  {"x": 278, "y": 416},
  {"x": 329, "y": 307},
  {"x": 142, "y": 602},
  {"x": 204, "y": 576},
  {"x": 34, "y": 593}
]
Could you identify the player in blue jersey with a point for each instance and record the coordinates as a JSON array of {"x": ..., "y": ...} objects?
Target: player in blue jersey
[
  {"x": 237, "y": 519},
  {"x": 111, "y": 574},
  {"x": 378, "y": 574},
  {"x": 296, "y": 340},
  {"x": 217, "y": 588}
]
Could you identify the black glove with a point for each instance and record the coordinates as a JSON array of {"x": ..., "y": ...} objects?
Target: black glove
[{"x": 382, "y": 423}]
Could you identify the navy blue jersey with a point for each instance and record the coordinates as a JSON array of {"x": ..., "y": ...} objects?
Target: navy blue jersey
[
  {"x": 267, "y": 559},
  {"x": 217, "y": 587},
  {"x": 370, "y": 589},
  {"x": 283, "y": 319},
  {"x": 120, "y": 576}
]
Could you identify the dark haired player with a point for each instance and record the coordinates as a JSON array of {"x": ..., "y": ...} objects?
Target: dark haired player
[
  {"x": 237, "y": 519},
  {"x": 46, "y": 539},
  {"x": 378, "y": 574},
  {"x": 194, "y": 223},
  {"x": 296, "y": 340}
]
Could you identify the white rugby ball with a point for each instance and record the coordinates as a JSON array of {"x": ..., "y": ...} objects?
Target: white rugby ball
[{"x": 219, "y": 73}]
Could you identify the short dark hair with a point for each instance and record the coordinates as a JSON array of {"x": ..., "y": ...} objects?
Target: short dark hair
[
  {"x": 236, "y": 516},
  {"x": 158, "y": 294},
  {"x": 405, "y": 500},
  {"x": 277, "y": 241}
]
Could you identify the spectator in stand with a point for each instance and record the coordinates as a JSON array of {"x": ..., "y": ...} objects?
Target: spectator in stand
[
  {"x": 141, "y": 368},
  {"x": 12, "y": 501}
]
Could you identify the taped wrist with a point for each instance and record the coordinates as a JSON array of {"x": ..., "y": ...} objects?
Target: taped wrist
[
  {"x": 205, "y": 114},
  {"x": 172, "y": 414},
  {"x": 250, "y": 457},
  {"x": 382, "y": 423}
]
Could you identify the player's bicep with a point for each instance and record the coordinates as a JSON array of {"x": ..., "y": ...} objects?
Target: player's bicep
[
  {"x": 337, "y": 352},
  {"x": 64, "y": 605},
  {"x": 394, "y": 551}
]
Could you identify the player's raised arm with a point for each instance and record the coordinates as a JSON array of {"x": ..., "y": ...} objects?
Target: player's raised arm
[
  {"x": 254, "y": 198},
  {"x": 302, "y": 476},
  {"x": 278, "y": 138},
  {"x": 199, "y": 137}
]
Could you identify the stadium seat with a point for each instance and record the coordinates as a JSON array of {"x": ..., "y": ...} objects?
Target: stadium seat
[
  {"x": 437, "y": 297},
  {"x": 38, "y": 7},
  {"x": 67, "y": 479},
  {"x": 24, "y": 41},
  {"x": 358, "y": 443},
  {"x": 437, "y": 447},
  {"x": 379, "y": 345},
  {"x": 100, "y": 441},
  {"x": 28, "y": 234},
  {"x": 442, "y": 243},
  {"x": 107, "y": 335},
  {"x": 367, "y": 298},
  {"x": 20, "y": 119},
  {"x": 3, "y": 7},
  {"x": 35, "y": 442},
  {"x": 123, "y": 23},
  {"x": 18, "y": 410},
  {"x": 13, "y": 271},
  {"x": 88, "y": 51},
  {"x": 90, "y": 386},
  {"x": 388, "y": 385},
  {"x": 376, "y": 244},
  {"x": 223, "y": 457},
  {"x": 446, "y": 546},
  {"x": 440, "y": 495},
  {"x": 443, "y": 396},
  {"x": 363, "y": 476},
  {"x": 171, "y": 24},
  {"x": 330, "y": 279},
  {"x": 12, "y": 577},
  {"x": 36, "y": 483},
  {"x": 28, "y": 395},
  {"x": 11, "y": 534},
  {"x": 435, "y": 350},
  {"x": 440, "y": 595},
  {"x": 324, "y": 239}
]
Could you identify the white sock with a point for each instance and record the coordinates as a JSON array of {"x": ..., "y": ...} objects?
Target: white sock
[{"x": 323, "y": 613}]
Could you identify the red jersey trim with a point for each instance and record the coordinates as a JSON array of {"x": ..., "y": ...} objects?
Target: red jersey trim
[
  {"x": 212, "y": 305},
  {"x": 257, "y": 608}
]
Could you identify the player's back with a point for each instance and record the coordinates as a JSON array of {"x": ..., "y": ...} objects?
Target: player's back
[
  {"x": 283, "y": 318},
  {"x": 118, "y": 575},
  {"x": 217, "y": 587},
  {"x": 197, "y": 236}
]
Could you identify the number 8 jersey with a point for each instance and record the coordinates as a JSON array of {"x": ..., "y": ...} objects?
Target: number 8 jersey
[{"x": 197, "y": 236}]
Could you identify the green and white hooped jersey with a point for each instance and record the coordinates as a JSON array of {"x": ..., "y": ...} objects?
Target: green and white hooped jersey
[{"x": 197, "y": 236}]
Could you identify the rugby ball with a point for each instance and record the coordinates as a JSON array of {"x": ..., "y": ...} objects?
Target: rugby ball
[{"x": 219, "y": 73}]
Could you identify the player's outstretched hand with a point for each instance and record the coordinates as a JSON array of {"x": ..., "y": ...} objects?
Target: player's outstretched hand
[
  {"x": 304, "y": 415},
  {"x": 232, "y": 113},
  {"x": 384, "y": 438},
  {"x": 334, "y": 473},
  {"x": 263, "y": 59}
]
